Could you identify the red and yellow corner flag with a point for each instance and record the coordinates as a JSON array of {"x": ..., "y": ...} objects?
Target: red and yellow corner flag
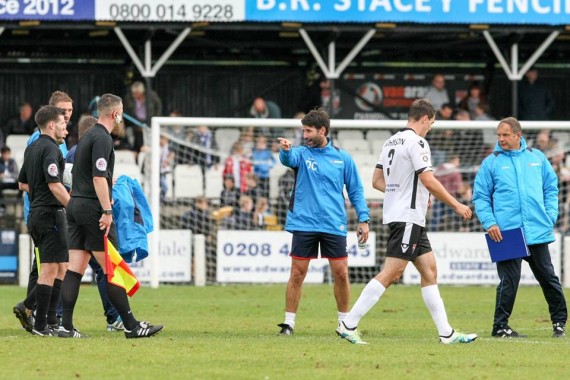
[{"x": 118, "y": 272}]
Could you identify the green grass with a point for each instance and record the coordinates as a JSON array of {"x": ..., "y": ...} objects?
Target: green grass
[{"x": 229, "y": 332}]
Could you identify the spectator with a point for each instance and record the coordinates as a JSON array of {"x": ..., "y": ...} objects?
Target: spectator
[
  {"x": 445, "y": 112},
  {"x": 230, "y": 194},
  {"x": 204, "y": 138},
  {"x": 242, "y": 218},
  {"x": 481, "y": 112},
  {"x": 475, "y": 95},
  {"x": 238, "y": 165},
  {"x": 442, "y": 141},
  {"x": 544, "y": 143},
  {"x": 320, "y": 94},
  {"x": 465, "y": 196},
  {"x": 437, "y": 93},
  {"x": 8, "y": 175},
  {"x": 23, "y": 124},
  {"x": 263, "y": 162},
  {"x": 535, "y": 99},
  {"x": 142, "y": 109},
  {"x": 198, "y": 219},
  {"x": 252, "y": 187},
  {"x": 264, "y": 109},
  {"x": 299, "y": 131},
  {"x": 286, "y": 184},
  {"x": 471, "y": 136},
  {"x": 166, "y": 160},
  {"x": 450, "y": 177},
  {"x": 247, "y": 140},
  {"x": 260, "y": 212}
]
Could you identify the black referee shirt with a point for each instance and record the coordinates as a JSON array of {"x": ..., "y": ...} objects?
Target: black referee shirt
[
  {"x": 43, "y": 164},
  {"x": 94, "y": 157}
]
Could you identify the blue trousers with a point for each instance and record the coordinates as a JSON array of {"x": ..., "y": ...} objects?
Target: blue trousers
[{"x": 510, "y": 274}]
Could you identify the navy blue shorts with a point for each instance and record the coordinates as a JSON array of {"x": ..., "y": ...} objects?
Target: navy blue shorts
[
  {"x": 305, "y": 246},
  {"x": 407, "y": 241}
]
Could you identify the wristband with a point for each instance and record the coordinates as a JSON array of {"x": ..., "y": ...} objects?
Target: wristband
[{"x": 108, "y": 212}]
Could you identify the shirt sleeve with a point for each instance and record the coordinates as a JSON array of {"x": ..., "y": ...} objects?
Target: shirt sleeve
[
  {"x": 421, "y": 156},
  {"x": 291, "y": 157},
  {"x": 22, "y": 176},
  {"x": 51, "y": 159},
  {"x": 100, "y": 155}
]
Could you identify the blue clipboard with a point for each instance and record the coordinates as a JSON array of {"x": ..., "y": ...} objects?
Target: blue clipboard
[{"x": 513, "y": 246}]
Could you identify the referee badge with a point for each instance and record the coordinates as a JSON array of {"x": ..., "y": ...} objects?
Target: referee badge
[
  {"x": 52, "y": 170},
  {"x": 101, "y": 164}
]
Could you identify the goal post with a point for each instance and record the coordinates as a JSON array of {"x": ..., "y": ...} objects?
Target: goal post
[{"x": 363, "y": 139}]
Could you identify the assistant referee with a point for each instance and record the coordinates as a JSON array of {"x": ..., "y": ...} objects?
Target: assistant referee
[
  {"x": 41, "y": 177},
  {"x": 90, "y": 217}
]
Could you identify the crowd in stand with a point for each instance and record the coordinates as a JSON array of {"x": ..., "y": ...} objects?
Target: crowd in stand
[{"x": 246, "y": 167}]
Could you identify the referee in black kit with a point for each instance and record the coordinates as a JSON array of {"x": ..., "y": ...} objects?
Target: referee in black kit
[
  {"x": 41, "y": 177},
  {"x": 90, "y": 218}
]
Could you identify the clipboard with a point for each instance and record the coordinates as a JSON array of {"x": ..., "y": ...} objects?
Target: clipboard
[{"x": 513, "y": 246}]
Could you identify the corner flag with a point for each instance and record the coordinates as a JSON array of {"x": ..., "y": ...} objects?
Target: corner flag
[{"x": 118, "y": 272}]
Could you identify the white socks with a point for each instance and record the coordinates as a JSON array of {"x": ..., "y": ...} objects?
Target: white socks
[
  {"x": 341, "y": 316},
  {"x": 368, "y": 298},
  {"x": 290, "y": 319},
  {"x": 434, "y": 303}
]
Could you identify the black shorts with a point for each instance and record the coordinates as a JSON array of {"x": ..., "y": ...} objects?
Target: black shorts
[
  {"x": 305, "y": 246},
  {"x": 407, "y": 241},
  {"x": 83, "y": 216},
  {"x": 48, "y": 228}
]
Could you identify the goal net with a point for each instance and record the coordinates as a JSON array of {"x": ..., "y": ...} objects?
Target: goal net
[{"x": 240, "y": 207}]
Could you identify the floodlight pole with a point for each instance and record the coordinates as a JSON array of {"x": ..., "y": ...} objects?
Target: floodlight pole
[{"x": 513, "y": 72}]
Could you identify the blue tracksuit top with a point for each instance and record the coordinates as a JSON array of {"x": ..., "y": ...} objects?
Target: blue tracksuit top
[
  {"x": 133, "y": 218},
  {"x": 317, "y": 202},
  {"x": 518, "y": 189}
]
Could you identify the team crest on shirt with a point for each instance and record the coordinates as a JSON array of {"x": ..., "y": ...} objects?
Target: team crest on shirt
[
  {"x": 101, "y": 164},
  {"x": 53, "y": 170}
]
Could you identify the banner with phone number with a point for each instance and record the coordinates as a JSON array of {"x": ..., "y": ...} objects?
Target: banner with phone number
[
  {"x": 547, "y": 12},
  {"x": 263, "y": 257}
]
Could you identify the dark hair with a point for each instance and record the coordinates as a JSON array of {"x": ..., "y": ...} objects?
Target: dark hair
[
  {"x": 86, "y": 122},
  {"x": 420, "y": 108},
  {"x": 5, "y": 149},
  {"x": 46, "y": 114},
  {"x": 59, "y": 96},
  {"x": 317, "y": 118},
  {"x": 107, "y": 103},
  {"x": 513, "y": 123}
]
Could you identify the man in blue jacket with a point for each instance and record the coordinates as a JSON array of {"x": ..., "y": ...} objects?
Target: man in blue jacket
[
  {"x": 317, "y": 214},
  {"x": 517, "y": 187}
]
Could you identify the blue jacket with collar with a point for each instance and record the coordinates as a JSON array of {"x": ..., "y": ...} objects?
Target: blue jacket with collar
[
  {"x": 133, "y": 218},
  {"x": 518, "y": 188},
  {"x": 317, "y": 201}
]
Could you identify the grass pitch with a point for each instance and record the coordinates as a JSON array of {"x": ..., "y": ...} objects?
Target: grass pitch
[{"x": 229, "y": 332}]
